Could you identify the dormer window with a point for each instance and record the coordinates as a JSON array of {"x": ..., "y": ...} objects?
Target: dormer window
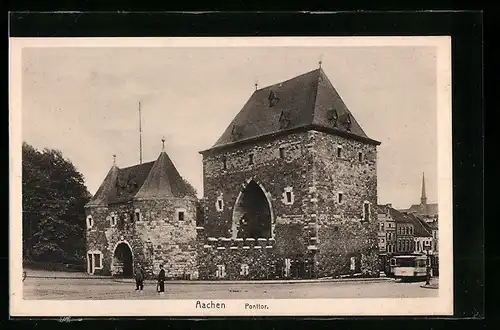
[
  {"x": 237, "y": 132},
  {"x": 250, "y": 159},
  {"x": 346, "y": 122},
  {"x": 360, "y": 156},
  {"x": 332, "y": 116},
  {"x": 273, "y": 99},
  {"x": 137, "y": 215},
  {"x": 285, "y": 119}
]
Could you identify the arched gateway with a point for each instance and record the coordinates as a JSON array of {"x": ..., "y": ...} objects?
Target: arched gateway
[
  {"x": 123, "y": 264},
  {"x": 252, "y": 213}
]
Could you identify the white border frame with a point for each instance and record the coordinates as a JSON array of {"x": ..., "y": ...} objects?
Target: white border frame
[{"x": 441, "y": 305}]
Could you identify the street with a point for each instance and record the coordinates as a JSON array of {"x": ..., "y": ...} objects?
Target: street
[{"x": 102, "y": 289}]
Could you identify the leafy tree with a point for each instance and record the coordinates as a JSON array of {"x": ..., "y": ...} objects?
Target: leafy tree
[
  {"x": 191, "y": 191},
  {"x": 54, "y": 196}
]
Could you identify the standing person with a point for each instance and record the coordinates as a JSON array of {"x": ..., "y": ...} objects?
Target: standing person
[
  {"x": 161, "y": 280},
  {"x": 139, "y": 278}
]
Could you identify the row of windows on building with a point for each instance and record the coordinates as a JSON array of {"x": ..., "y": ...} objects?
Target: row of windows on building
[
  {"x": 136, "y": 216},
  {"x": 288, "y": 199},
  {"x": 221, "y": 270},
  {"x": 405, "y": 230},
  {"x": 282, "y": 155},
  {"x": 389, "y": 225}
]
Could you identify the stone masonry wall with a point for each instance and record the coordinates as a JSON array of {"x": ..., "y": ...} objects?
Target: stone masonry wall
[
  {"x": 158, "y": 238},
  {"x": 169, "y": 241},
  {"x": 274, "y": 175},
  {"x": 342, "y": 231}
]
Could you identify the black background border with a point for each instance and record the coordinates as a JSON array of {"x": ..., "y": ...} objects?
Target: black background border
[{"x": 466, "y": 30}]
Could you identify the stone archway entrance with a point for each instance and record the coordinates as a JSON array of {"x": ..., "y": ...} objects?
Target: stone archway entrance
[
  {"x": 252, "y": 217},
  {"x": 123, "y": 261}
]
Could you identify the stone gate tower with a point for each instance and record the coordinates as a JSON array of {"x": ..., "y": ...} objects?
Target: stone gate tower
[
  {"x": 289, "y": 188},
  {"x": 142, "y": 214}
]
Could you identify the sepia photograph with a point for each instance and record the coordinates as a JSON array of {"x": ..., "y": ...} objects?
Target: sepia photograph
[{"x": 231, "y": 176}]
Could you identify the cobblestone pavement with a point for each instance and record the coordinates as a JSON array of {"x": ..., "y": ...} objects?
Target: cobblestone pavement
[{"x": 106, "y": 288}]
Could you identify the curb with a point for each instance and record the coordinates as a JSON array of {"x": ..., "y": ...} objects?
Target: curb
[
  {"x": 432, "y": 286},
  {"x": 343, "y": 280},
  {"x": 194, "y": 282}
]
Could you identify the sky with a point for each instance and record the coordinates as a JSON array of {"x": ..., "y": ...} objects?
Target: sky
[{"x": 84, "y": 102}]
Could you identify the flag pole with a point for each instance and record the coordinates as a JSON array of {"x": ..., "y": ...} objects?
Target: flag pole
[{"x": 140, "y": 134}]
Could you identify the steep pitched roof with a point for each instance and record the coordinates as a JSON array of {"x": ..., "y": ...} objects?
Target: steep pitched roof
[
  {"x": 431, "y": 209},
  {"x": 107, "y": 189},
  {"x": 420, "y": 227},
  {"x": 163, "y": 181},
  {"x": 399, "y": 217},
  {"x": 306, "y": 101},
  {"x": 130, "y": 180},
  {"x": 156, "y": 179}
]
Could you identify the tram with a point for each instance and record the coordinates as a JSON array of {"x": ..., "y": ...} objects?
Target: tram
[{"x": 408, "y": 267}]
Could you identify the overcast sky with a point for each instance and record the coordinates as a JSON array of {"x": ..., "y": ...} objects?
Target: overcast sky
[{"x": 84, "y": 102}]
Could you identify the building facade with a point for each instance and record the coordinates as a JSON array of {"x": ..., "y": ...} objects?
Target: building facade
[
  {"x": 290, "y": 191},
  {"x": 424, "y": 209},
  {"x": 143, "y": 215}
]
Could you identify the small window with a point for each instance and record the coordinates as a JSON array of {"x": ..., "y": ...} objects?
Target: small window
[
  {"x": 360, "y": 156},
  {"x": 113, "y": 220},
  {"x": 180, "y": 216},
  {"x": 221, "y": 271},
  {"x": 339, "y": 152},
  {"x": 90, "y": 222},
  {"x": 97, "y": 260},
  {"x": 137, "y": 215},
  {"x": 219, "y": 204},
  {"x": 340, "y": 198},
  {"x": 244, "y": 270},
  {"x": 224, "y": 163},
  {"x": 282, "y": 152},
  {"x": 366, "y": 211},
  {"x": 250, "y": 159},
  {"x": 288, "y": 196}
]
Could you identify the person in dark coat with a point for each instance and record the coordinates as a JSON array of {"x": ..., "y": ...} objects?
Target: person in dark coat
[
  {"x": 139, "y": 278},
  {"x": 161, "y": 280}
]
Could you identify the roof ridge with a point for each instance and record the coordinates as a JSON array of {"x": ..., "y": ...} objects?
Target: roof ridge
[{"x": 285, "y": 81}]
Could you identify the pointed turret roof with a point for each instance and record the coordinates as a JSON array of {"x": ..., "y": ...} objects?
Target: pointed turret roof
[
  {"x": 163, "y": 181},
  {"x": 156, "y": 179},
  {"x": 107, "y": 190},
  {"x": 308, "y": 101}
]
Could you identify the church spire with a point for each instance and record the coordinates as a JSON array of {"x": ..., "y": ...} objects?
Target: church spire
[{"x": 423, "y": 198}]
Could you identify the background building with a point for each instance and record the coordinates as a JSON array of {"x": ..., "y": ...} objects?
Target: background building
[{"x": 423, "y": 209}]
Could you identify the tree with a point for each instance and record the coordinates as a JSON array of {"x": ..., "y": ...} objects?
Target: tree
[
  {"x": 191, "y": 191},
  {"x": 54, "y": 196}
]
